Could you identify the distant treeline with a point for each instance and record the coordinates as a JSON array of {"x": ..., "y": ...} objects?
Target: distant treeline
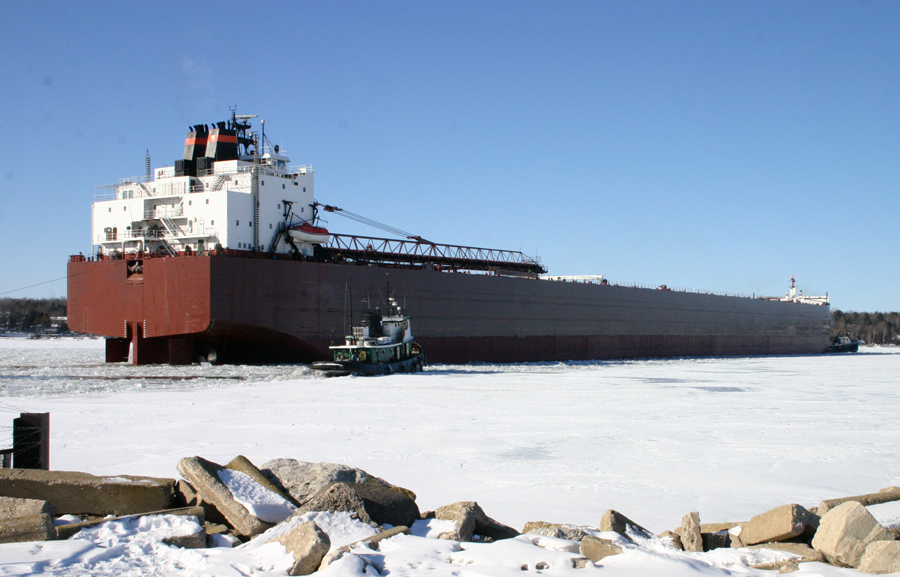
[
  {"x": 873, "y": 328},
  {"x": 29, "y": 314}
]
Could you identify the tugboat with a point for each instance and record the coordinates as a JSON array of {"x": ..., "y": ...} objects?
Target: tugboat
[
  {"x": 381, "y": 345},
  {"x": 842, "y": 345}
]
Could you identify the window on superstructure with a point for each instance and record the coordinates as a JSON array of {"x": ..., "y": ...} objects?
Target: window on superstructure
[
  {"x": 207, "y": 201},
  {"x": 237, "y": 223}
]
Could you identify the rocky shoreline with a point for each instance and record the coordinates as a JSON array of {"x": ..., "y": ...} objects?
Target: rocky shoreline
[{"x": 239, "y": 501}]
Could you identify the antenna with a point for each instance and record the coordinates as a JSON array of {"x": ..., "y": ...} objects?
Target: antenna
[{"x": 147, "y": 161}]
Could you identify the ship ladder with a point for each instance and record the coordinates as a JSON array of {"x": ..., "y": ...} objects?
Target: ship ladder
[{"x": 217, "y": 183}]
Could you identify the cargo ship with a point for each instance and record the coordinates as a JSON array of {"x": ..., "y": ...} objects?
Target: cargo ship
[{"x": 222, "y": 258}]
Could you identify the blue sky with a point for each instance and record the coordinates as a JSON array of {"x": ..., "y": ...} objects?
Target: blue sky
[{"x": 722, "y": 146}]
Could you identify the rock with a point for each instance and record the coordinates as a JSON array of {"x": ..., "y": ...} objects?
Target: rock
[
  {"x": 69, "y": 529},
  {"x": 881, "y": 557},
  {"x": 673, "y": 539},
  {"x": 203, "y": 476},
  {"x": 716, "y": 527},
  {"x": 308, "y": 545},
  {"x": 196, "y": 540},
  {"x": 619, "y": 523},
  {"x": 780, "y": 566},
  {"x": 596, "y": 548},
  {"x": 845, "y": 532},
  {"x": 581, "y": 562},
  {"x": 74, "y": 493},
  {"x": 371, "y": 502},
  {"x": 370, "y": 542},
  {"x": 301, "y": 480},
  {"x": 883, "y": 496},
  {"x": 717, "y": 540},
  {"x": 570, "y": 532},
  {"x": 778, "y": 524},
  {"x": 243, "y": 464},
  {"x": 807, "y": 554},
  {"x": 691, "y": 538},
  {"x": 471, "y": 519},
  {"x": 187, "y": 496},
  {"x": 26, "y": 520}
]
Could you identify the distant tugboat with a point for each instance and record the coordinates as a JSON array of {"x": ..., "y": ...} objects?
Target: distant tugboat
[
  {"x": 842, "y": 345},
  {"x": 382, "y": 345}
]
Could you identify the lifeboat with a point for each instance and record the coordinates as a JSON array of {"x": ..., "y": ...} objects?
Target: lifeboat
[{"x": 308, "y": 233}]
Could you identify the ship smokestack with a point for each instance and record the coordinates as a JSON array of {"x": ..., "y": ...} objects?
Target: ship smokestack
[
  {"x": 195, "y": 143},
  {"x": 222, "y": 143}
]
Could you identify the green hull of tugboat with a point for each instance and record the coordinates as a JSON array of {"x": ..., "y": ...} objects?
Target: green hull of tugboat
[
  {"x": 842, "y": 345},
  {"x": 345, "y": 368},
  {"x": 381, "y": 345}
]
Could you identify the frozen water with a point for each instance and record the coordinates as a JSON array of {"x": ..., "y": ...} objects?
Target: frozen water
[
  {"x": 559, "y": 442},
  {"x": 50, "y": 367}
]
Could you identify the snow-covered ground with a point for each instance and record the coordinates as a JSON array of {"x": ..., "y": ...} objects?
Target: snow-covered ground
[{"x": 653, "y": 439}]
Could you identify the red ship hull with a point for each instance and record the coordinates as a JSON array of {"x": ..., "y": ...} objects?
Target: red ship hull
[{"x": 258, "y": 310}]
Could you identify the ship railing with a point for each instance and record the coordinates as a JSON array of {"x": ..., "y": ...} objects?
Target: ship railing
[
  {"x": 135, "y": 179},
  {"x": 154, "y": 214},
  {"x": 156, "y": 233},
  {"x": 106, "y": 192},
  {"x": 408, "y": 252}
]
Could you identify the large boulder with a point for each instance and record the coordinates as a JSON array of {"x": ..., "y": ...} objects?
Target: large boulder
[
  {"x": 560, "y": 531},
  {"x": 471, "y": 520},
  {"x": 619, "y": 523},
  {"x": 187, "y": 496},
  {"x": 308, "y": 545},
  {"x": 74, "y": 493},
  {"x": 881, "y": 557},
  {"x": 243, "y": 464},
  {"x": 302, "y": 479},
  {"x": 373, "y": 503},
  {"x": 691, "y": 538},
  {"x": 778, "y": 524},
  {"x": 204, "y": 477},
  {"x": 671, "y": 538},
  {"x": 596, "y": 548},
  {"x": 885, "y": 495},
  {"x": 26, "y": 520},
  {"x": 845, "y": 532}
]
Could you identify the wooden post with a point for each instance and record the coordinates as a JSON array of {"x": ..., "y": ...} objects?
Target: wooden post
[{"x": 31, "y": 441}]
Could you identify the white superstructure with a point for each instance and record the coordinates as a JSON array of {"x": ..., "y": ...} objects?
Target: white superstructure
[{"x": 204, "y": 204}]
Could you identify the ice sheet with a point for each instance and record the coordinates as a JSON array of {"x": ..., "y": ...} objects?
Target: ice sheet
[{"x": 559, "y": 442}]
